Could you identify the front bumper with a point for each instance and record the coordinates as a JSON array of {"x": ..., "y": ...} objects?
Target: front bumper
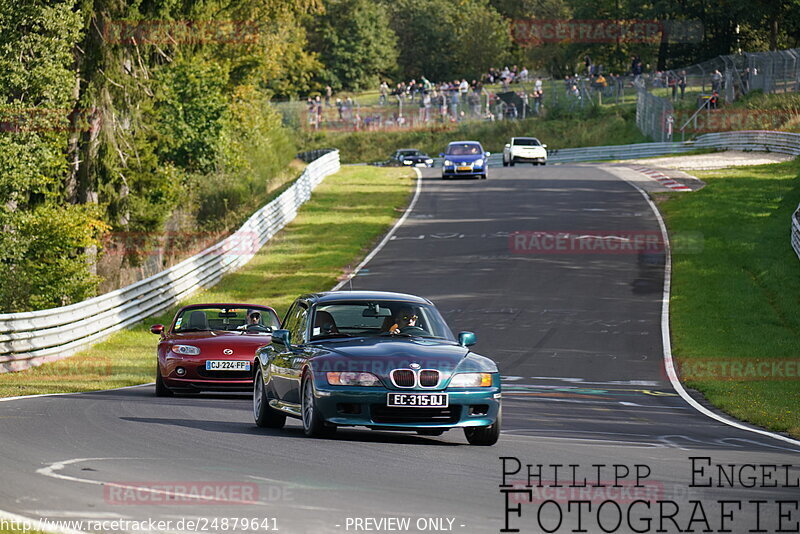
[
  {"x": 463, "y": 170},
  {"x": 197, "y": 378},
  {"x": 366, "y": 406},
  {"x": 528, "y": 157}
]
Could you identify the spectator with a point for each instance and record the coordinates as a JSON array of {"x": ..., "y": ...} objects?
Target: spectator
[
  {"x": 587, "y": 65},
  {"x": 384, "y": 90},
  {"x": 463, "y": 88},
  {"x": 538, "y": 101},
  {"x": 523, "y": 74},
  {"x": 716, "y": 81},
  {"x": 713, "y": 102},
  {"x": 682, "y": 82},
  {"x": 672, "y": 82},
  {"x": 636, "y": 68},
  {"x": 600, "y": 83},
  {"x": 328, "y": 95},
  {"x": 537, "y": 86}
]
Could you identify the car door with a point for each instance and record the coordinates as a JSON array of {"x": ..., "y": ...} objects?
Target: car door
[
  {"x": 293, "y": 358},
  {"x": 281, "y": 356}
]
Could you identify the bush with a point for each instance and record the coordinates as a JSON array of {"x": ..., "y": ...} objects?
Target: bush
[{"x": 43, "y": 252}]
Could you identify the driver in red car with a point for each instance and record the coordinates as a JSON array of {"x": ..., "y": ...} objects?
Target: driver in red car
[{"x": 253, "y": 318}]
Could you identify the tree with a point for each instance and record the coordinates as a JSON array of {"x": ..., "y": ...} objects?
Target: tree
[
  {"x": 355, "y": 43},
  {"x": 444, "y": 40}
]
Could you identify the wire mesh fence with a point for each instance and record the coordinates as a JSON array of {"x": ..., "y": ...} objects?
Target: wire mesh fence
[
  {"x": 678, "y": 102},
  {"x": 688, "y": 101}
]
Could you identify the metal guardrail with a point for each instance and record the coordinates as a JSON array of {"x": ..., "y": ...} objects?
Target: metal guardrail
[
  {"x": 748, "y": 140},
  {"x": 31, "y": 338},
  {"x": 796, "y": 231},
  {"x": 758, "y": 140}
]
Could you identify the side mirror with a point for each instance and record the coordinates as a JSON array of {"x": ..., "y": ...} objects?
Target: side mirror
[
  {"x": 157, "y": 329},
  {"x": 467, "y": 339},
  {"x": 488, "y": 154},
  {"x": 508, "y": 145},
  {"x": 283, "y": 337},
  {"x": 544, "y": 146},
  {"x": 441, "y": 154}
]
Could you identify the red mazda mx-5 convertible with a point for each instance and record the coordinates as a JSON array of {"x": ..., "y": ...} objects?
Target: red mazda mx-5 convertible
[{"x": 211, "y": 347}]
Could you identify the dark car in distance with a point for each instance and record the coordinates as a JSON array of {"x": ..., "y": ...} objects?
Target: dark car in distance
[
  {"x": 410, "y": 157},
  {"x": 376, "y": 359},
  {"x": 211, "y": 347}
]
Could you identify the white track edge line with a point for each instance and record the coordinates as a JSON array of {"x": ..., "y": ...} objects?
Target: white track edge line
[
  {"x": 669, "y": 363},
  {"x": 4, "y": 399},
  {"x": 388, "y": 235}
]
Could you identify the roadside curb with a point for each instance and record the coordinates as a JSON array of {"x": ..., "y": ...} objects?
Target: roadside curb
[
  {"x": 672, "y": 179},
  {"x": 669, "y": 363}
]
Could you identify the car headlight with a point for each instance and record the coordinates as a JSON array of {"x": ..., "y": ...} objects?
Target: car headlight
[
  {"x": 429, "y": 161},
  {"x": 407, "y": 162},
  {"x": 471, "y": 380},
  {"x": 349, "y": 378},
  {"x": 189, "y": 350},
  {"x": 448, "y": 163},
  {"x": 478, "y": 162}
]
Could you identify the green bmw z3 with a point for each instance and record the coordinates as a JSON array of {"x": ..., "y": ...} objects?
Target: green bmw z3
[{"x": 375, "y": 359}]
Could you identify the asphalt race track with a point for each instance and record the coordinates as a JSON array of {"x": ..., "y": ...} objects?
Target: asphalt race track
[{"x": 577, "y": 336}]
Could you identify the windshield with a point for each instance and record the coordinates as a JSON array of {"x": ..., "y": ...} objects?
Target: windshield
[
  {"x": 378, "y": 318},
  {"x": 530, "y": 141},
  {"x": 253, "y": 319},
  {"x": 464, "y": 149},
  {"x": 410, "y": 153}
]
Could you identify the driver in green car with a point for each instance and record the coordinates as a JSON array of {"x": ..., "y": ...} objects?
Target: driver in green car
[{"x": 405, "y": 322}]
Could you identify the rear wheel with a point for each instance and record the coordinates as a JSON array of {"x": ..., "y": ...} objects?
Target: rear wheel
[
  {"x": 484, "y": 435},
  {"x": 512, "y": 162},
  {"x": 264, "y": 415},
  {"x": 161, "y": 389},
  {"x": 313, "y": 424}
]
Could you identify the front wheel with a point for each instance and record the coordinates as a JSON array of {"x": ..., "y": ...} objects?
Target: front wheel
[
  {"x": 265, "y": 416},
  {"x": 161, "y": 389},
  {"x": 313, "y": 424},
  {"x": 512, "y": 162},
  {"x": 484, "y": 435},
  {"x": 505, "y": 163}
]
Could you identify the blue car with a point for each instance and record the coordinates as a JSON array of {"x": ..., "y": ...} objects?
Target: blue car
[
  {"x": 465, "y": 158},
  {"x": 381, "y": 360}
]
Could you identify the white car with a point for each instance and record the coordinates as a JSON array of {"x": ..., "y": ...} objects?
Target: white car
[{"x": 524, "y": 150}]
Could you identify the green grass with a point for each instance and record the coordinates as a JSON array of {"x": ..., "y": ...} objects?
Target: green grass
[
  {"x": 345, "y": 217},
  {"x": 600, "y": 126},
  {"x": 738, "y": 300}
]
